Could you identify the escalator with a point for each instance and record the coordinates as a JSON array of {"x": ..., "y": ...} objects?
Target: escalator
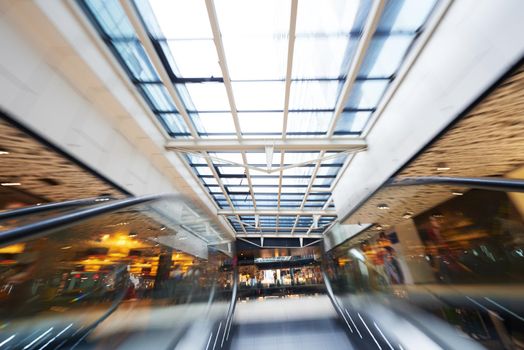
[
  {"x": 155, "y": 272},
  {"x": 150, "y": 271}
]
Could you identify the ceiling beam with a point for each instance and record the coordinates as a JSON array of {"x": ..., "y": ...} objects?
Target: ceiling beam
[
  {"x": 277, "y": 235},
  {"x": 143, "y": 36},
  {"x": 289, "y": 68},
  {"x": 330, "y": 213},
  {"x": 364, "y": 42},
  {"x": 295, "y": 144}
]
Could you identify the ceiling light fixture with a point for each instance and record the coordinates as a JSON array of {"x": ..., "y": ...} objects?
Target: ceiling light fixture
[
  {"x": 442, "y": 167},
  {"x": 383, "y": 206},
  {"x": 457, "y": 193},
  {"x": 10, "y": 184},
  {"x": 2, "y": 152},
  {"x": 407, "y": 215}
]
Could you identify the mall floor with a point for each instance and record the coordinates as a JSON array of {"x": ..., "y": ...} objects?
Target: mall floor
[{"x": 305, "y": 323}]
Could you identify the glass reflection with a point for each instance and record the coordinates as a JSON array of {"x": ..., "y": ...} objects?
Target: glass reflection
[
  {"x": 111, "y": 271},
  {"x": 460, "y": 260}
]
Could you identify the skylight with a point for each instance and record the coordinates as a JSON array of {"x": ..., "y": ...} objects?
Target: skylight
[{"x": 269, "y": 118}]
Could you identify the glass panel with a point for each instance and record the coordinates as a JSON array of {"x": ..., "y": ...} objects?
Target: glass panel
[
  {"x": 308, "y": 121},
  {"x": 295, "y": 181},
  {"x": 255, "y": 37},
  {"x": 334, "y": 159},
  {"x": 136, "y": 60},
  {"x": 60, "y": 284},
  {"x": 194, "y": 58},
  {"x": 314, "y": 94},
  {"x": 461, "y": 246},
  {"x": 174, "y": 122},
  {"x": 111, "y": 17},
  {"x": 231, "y": 170},
  {"x": 322, "y": 181},
  {"x": 177, "y": 19},
  {"x": 333, "y": 17},
  {"x": 352, "y": 122},
  {"x": 260, "y": 158},
  {"x": 229, "y": 156},
  {"x": 299, "y": 171},
  {"x": 384, "y": 55},
  {"x": 406, "y": 15},
  {"x": 366, "y": 94},
  {"x": 322, "y": 57},
  {"x": 206, "y": 97},
  {"x": 261, "y": 122},
  {"x": 299, "y": 157},
  {"x": 328, "y": 170},
  {"x": 159, "y": 97},
  {"x": 238, "y": 189},
  {"x": 215, "y": 122},
  {"x": 259, "y": 95}
]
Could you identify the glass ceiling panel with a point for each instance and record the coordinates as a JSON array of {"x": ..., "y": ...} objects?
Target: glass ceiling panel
[
  {"x": 206, "y": 97},
  {"x": 350, "y": 122},
  {"x": 260, "y": 158},
  {"x": 333, "y": 17},
  {"x": 299, "y": 157},
  {"x": 193, "y": 58},
  {"x": 231, "y": 170},
  {"x": 259, "y": 95},
  {"x": 299, "y": 171},
  {"x": 255, "y": 37},
  {"x": 341, "y": 158},
  {"x": 269, "y": 122},
  {"x": 366, "y": 94},
  {"x": 295, "y": 181},
  {"x": 176, "y": 19},
  {"x": 384, "y": 55},
  {"x": 214, "y": 122},
  {"x": 321, "y": 57},
  {"x": 308, "y": 121},
  {"x": 159, "y": 97},
  {"x": 407, "y": 15},
  {"x": 136, "y": 60},
  {"x": 228, "y": 156},
  {"x": 174, "y": 122},
  {"x": 314, "y": 94},
  {"x": 328, "y": 170},
  {"x": 111, "y": 17}
]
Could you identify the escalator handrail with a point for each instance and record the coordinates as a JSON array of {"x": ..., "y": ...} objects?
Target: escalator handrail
[
  {"x": 41, "y": 228},
  {"x": 34, "y": 209},
  {"x": 486, "y": 183}
]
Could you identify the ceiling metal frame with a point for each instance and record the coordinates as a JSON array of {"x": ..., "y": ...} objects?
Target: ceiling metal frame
[{"x": 336, "y": 142}]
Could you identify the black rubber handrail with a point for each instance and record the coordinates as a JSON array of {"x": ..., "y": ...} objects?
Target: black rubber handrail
[
  {"x": 35, "y": 209},
  {"x": 39, "y": 228},
  {"x": 485, "y": 183}
]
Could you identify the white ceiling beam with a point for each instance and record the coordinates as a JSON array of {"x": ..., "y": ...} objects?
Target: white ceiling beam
[
  {"x": 277, "y": 212},
  {"x": 223, "y": 189},
  {"x": 410, "y": 60},
  {"x": 363, "y": 44},
  {"x": 213, "y": 21},
  {"x": 277, "y": 235},
  {"x": 289, "y": 69},
  {"x": 295, "y": 144},
  {"x": 308, "y": 190},
  {"x": 141, "y": 32}
]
